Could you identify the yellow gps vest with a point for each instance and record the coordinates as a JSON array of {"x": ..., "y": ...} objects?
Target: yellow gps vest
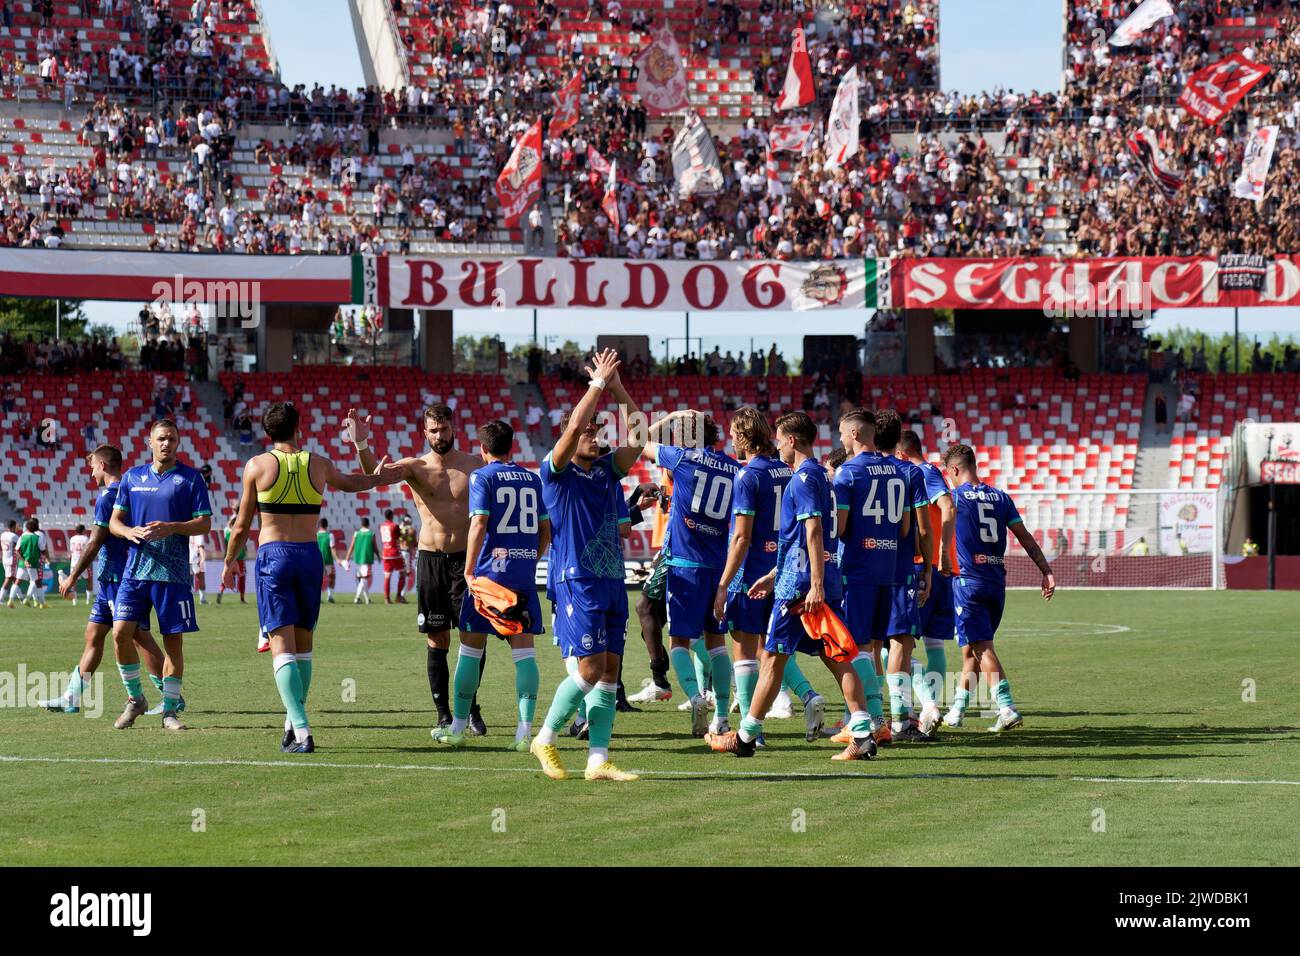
[{"x": 293, "y": 493}]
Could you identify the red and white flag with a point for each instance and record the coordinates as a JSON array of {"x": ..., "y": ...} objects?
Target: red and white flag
[
  {"x": 1153, "y": 162},
  {"x": 568, "y": 107},
  {"x": 791, "y": 136},
  {"x": 1212, "y": 92},
  {"x": 661, "y": 82},
  {"x": 597, "y": 161},
  {"x": 1147, "y": 15},
  {"x": 520, "y": 183},
  {"x": 799, "y": 89},
  {"x": 775, "y": 188},
  {"x": 610, "y": 201},
  {"x": 842, "y": 125}
]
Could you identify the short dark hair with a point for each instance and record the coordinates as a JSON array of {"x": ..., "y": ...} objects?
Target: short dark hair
[
  {"x": 963, "y": 455},
  {"x": 365, "y": 522},
  {"x": 164, "y": 423},
  {"x": 81, "y": 529},
  {"x": 280, "y": 421},
  {"x": 497, "y": 438},
  {"x": 910, "y": 443},
  {"x": 799, "y": 426},
  {"x": 12, "y": 524},
  {"x": 323, "y": 524},
  {"x": 440, "y": 413},
  {"x": 861, "y": 417},
  {"x": 712, "y": 434},
  {"x": 388, "y": 515},
  {"x": 33, "y": 524},
  {"x": 837, "y": 457},
  {"x": 889, "y": 427},
  {"x": 110, "y": 455}
]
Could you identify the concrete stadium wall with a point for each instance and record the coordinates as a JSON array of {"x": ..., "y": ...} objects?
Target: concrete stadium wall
[{"x": 382, "y": 58}]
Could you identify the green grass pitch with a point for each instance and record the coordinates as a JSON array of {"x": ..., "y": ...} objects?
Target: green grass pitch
[{"x": 1138, "y": 748}]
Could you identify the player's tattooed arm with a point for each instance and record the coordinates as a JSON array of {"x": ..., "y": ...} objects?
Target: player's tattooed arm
[
  {"x": 98, "y": 535},
  {"x": 1036, "y": 555}
]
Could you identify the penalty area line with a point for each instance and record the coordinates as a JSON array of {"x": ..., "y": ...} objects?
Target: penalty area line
[{"x": 792, "y": 774}]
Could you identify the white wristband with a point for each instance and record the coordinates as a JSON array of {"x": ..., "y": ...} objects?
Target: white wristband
[
  {"x": 598, "y": 382},
  {"x": 363, "y": 446}
]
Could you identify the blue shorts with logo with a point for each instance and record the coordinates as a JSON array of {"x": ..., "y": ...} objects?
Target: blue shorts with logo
[
  {"x": 978, "y": 606},
  {"x": 865, "y": 611},
  {"x": 936, "y": 613},
  {"x": 171, "y": 603},
  {"x": 747, "y": 614},
  {"x": 288, "y": 577},
  {"x": 690, "y": 602},
  {"x": 590, "y": 616},
  {"x": 904, "y": 616},
  {"x": 106, "y": 601},
  {"x": 475, "y": 623}
]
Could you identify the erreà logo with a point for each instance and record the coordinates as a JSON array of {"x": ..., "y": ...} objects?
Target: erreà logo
[{"x": 76, "y": 909}]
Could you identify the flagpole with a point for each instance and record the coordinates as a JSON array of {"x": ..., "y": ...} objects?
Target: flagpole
[{"x": 1236, "y": 341}]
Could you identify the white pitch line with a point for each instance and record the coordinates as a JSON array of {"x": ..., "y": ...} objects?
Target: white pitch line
[{"x": 793, "y": 774}]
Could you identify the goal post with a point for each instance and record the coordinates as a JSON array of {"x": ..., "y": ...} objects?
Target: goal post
[{"x": 1152, "y": 538}]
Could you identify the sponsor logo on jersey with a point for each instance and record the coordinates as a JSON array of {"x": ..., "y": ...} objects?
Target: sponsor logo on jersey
[
  {"x": 883, "y": 544},
  {"x": 769, "y": 546}
]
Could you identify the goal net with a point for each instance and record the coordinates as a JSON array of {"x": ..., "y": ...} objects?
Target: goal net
[{"x": 1120, "y": 539}]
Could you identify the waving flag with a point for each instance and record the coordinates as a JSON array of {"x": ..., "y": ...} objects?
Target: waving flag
[
  {"x": 695, "y": 159},
  {"x": 842, "y": 127},
  {"x": 1153, "y": 162},
  {"x": 661, "y": 82},
  {"x": 610, "y": 201},
  {"x": 1212, "y": 92},
  {"x": 597, "y": 162},
  {"x": 1147, "y": 15},
  {"x": 520, "y": 182},
  {"x": 568, "y": 107},
  {"x": 775, "y": 188},
  {"x": 791, "y": 136},
  {"x": 1255, "y": 164},
  {"x": 799, "y": 89}
]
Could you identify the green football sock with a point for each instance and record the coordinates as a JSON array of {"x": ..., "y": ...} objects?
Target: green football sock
[
  {"x": 157, "y": 682},
  {"x": 171, "y": 694},
  {"x": 289, "y": 682},
  {"x": 465, "y": 681},
  {"x": 526, "y": 681},
  {"x": 684, "y": 668},
  {"x": 567, "y": 698},
  {"x": 746, "y": 673},
  {"x": 859, "y": 723},
  {"x": 131, "y": 679},
  {"x": 865, "y": 668},
  {"x": 703, "y": 666},
  {"x": 794, "y": 681},
  {"x": 304, "y": 673},
  {"x": 899, "y": 700},
  {"x": 600, "y": 714},
  {"x": 961, "y": 700},
  {"x": 936, "y": 673},
  {"x": 1002, "y": 694},
  {"x": 720, "y": 664},
  {"x": 75, "y": 683},
  {"x": 750, "y": 728}
]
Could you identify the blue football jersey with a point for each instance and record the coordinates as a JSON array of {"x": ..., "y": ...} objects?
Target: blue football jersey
[
  {"x": 759, "y": 490},
  {"x": 700, "y": 517},
  {"x": 876, "y": 492},
  {"x": 917, "y": 500},
  {"x": 110, "y": 563},
  {"x": 178, "y": 494},
  {"x": 984, "y": 514},
  {"x": 511, "y": 499},
  {"x": 807, "y": 495},
  {"x": 584, "y": 520}
]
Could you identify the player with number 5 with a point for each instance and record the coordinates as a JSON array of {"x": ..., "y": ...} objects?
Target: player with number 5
[{"x": 984, "y": 516}]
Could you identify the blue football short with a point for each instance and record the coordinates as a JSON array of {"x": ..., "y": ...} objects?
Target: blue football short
[
  {"x": 690, "y": 602},
  {"x": 936, "y": 613},
  {"x": 590, "y": 616},
  {"x": 171, "y": 603},
  {"x": 105, "y": 601},
  {"x": 978, "y": 606},
  {"x": 288, "y": 577}
]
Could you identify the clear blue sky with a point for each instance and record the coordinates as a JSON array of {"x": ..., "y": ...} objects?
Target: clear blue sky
[{"x": 984, "y": 44}]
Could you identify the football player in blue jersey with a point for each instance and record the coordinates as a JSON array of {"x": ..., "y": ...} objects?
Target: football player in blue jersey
[
  {"x": 805, "y": 578},
  {"x": 581, "y": 495},
  {"x": 911, "y": 580},
  {"x": 698, "y": 522},
  {"x": 751, "y": 555},
  {"x": 937, "y": 624},
  {"x": 509, "y": 529},
  {"x": 109, "y": 556},
  {"x": 984, "y": 516},
  {"x": 159, "y": 506}
]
